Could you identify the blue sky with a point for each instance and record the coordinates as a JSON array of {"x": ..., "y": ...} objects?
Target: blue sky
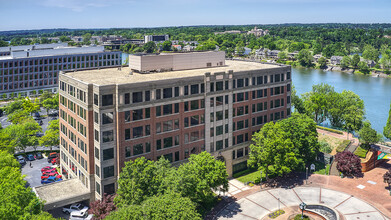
[{"x": 38, "y": 14}]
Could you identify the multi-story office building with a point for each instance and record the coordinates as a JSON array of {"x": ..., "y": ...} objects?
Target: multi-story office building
[
  {"x": 31, "y": 68},
  {"x": 156, "y": 38},
  {"x": 170, "y": 105}
]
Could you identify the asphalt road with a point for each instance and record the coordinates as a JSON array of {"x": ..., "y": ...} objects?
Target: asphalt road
[{"x": 33, "y": 174}]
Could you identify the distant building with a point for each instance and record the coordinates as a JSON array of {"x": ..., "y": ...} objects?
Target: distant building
[
  {"x": 177, "y": 46},
  {"x": 317, "y": 56},
  {"x": 335, "y": 60},
  {"x": 273, "y": 53},
  {"x": 189, "y": 48},
  {"x": 30, "y": 68},
  {"x": 258, "y": 32},
  {"x": 156, "y": 38},
  {"x": 292, "y": 55}
]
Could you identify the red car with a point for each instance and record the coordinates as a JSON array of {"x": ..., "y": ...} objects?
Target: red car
[
  {"x": 54, "y": 160},
  {"x": 47, "y": 175},
  {"x": 48, "y": 170}
]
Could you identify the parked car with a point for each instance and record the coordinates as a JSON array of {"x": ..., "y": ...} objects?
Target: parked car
[
  {"x": 21, "y": 160},
  {"x": 51, "y": 179},
  {"x": 80, "y": 215},
  {"x": 75, "y": 207},
  {"x": 46, "y": 168},
  {"x": 54, "y": 160},
  {"x": 47, "y": 175},
  {"x": 36, "y": 116},
  {"x": 51, "y": 156},
  {"x": 53, "y": 113},
  {"x": 39, "y": 134},
  {"x": 39, "y": 155},
  {"x": 51, "y": 171},
  {"x": 30, "y": 157}
]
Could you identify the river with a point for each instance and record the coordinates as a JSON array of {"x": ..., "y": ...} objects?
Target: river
[{"x": 376, "y": 92}]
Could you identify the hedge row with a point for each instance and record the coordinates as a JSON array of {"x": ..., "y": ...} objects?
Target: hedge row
[
  {"x": 342, "y": 146},
  {"x": 330, "y": 129}
]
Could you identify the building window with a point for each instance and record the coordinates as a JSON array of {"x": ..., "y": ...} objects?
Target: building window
[
  {"x": 158, "y": 94},
  {"x": 108, "y": 171},
  {"x": 137, "y": 114},
  {"x": 97, "y": 170},
  {"x": 167, "y": 93},
  {"x": 137, "y": 97},
  {"x": 107, "y": 118},
  {"x": 109, "y": 188},
  {"x": 219, "y": 86},
  {"x": 127, "y": 152},
  {"x": 127, "y": 116},
  {"x": 138, "y": 132},
  {"x": 158, "y": 111},
  {"x": 96, "y": 100},
  {"x": 147, "y": 96},
  {"x": 194, "y": 89},
  {"x": 127, "y": 98},
  {"x": 147, "y": 147},
  {"x": 167, "y": 109},
  {"x": 97, "y": 187},
  {"x": 186, "y": 90},
  {"x": 219, "y": 130},
  {"x": 107, "y": 100},
  {"x": 138, "y": 149},
  {"x": 219, "y": 145},
  {"x": 176, "y": 91},
  {"x": 97, "y": 135},
  {"x": 158, "y": 144},
  {"x": 107, "y": 136},
  {"x": 108, "y": 154},
  {"x": 194, "y": 105},
  {"x": 96, "y": 117},
  {"x": 96, "y": 153},
  {"x": 167, "y": 142}
]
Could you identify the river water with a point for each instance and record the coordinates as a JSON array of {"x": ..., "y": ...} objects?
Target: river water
[{"x": 375, "y": 91}]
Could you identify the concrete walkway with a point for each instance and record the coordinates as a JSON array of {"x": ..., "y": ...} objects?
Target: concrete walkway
[{"x": 260, "y": 204}]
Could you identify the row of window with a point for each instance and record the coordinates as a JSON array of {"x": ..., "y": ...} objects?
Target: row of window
[
  {"x": 22, "y": 85},
  {"x": 81, "y": 112},
  {"x": 139, "y": 131},
  {"x": 138, "y": 149}
]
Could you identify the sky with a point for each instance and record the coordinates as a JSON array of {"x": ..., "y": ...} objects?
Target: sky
[{"x": 45, "y": 14}]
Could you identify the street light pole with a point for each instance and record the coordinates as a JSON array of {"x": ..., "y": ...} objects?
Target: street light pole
[{"x": 306, "y": 175}]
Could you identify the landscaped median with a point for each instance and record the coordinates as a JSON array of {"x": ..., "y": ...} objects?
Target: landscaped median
[{"x": 330, "y": 129}]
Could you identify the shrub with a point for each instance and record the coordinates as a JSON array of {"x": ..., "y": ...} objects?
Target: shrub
[
  {"x": 298, "y": 217},
  {"x": 329, "y": 129},
  {"x": 342, "y": 146},
  {"x": 348, "y": 164},
  {"x": 325, "y": 147},
  {"x": 361, "y": 152}
]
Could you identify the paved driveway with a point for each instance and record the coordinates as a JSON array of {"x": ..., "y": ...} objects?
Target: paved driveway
[
  {"x": 33, "y": 174},
  {"x": 259, "y": 204}
]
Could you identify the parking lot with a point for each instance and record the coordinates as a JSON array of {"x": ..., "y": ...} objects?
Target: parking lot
[{"x": 33, "y": 177}]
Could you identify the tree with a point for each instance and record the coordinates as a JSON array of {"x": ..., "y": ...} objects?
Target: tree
[
  {"x": 42, "y": 216},
  {"x": 197, "y": 178},
  {"x": 301, "y": 130},
  {"x": 140, "y": 179},
  {"x": 167, "y": 206},
  {"x": 272, "y": 152},
  {"x": 87, "y": 38},
  {"x": 102, "y": 208},
  {"x": 24, "y": 134},
  {"x": 363, "y": 66},
  {"x": 355, "y": 60},
  {"x": 387, "y": 178},
  {"x": 297, "y": 102},
  {"x": 52, "y": 135},
  {"x": 149, "y": 47},
  {"x": 353, "y": 111},
  {"x": 348, "y": 163},
  {"x": 345, "y": 62},
  {"x": 283, "y": 55},
  {"x": 317, "y": 102},
  {"x": 19, "y": 116},
  {"x": 322, "y": 62},
  {"x": 167, "y": 45},
  {"x": 370, "y": 53},
  {"x": 13, "y": 106},
  {"x": 305, "y": 57},
  {"x": 17, "y": 201},
  {"x": 387, "y": 128},
  {"x": 368, "y": 135},
  {"x": 30, "y": 106},
  {"x": 8, "y": 160}
]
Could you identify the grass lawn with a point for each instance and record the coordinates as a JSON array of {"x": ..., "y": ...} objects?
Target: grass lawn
[
  {"x": 321, "y": 170},
  {"x": 250, "y": 177},
  {"x": 361, "y": 152},
  {"x": 332, "y": 141}
]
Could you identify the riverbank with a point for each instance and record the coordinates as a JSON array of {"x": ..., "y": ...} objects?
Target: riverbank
[{"x": 352, "y": 71}]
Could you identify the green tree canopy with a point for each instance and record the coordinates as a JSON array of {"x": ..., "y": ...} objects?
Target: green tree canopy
[
  {"x": 355, "y": 60},
  {"x": 387, "y": 128},
  {"x": 322, "y": 62},
  {"x": 345, "y": 62},
  {"x": 317, "y": 102},
  {"x": 305, "y": 57},
  {"x": 370, "y": 53},
  {"x": 149, "y": 47},
  {"x": 140, "y": 179},
  {"x": 167, "y": 45},
  {"x": 368, "y": 135}
]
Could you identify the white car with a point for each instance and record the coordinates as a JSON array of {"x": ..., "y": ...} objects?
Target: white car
[
  {"x": 80, "y": 215},
  {"x": 75, "y": 207}
]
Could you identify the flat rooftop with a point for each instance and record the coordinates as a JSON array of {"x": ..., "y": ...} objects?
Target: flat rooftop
[
  {"x": 62, "y": 193},
  {"x": 114, "y": 76}
]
